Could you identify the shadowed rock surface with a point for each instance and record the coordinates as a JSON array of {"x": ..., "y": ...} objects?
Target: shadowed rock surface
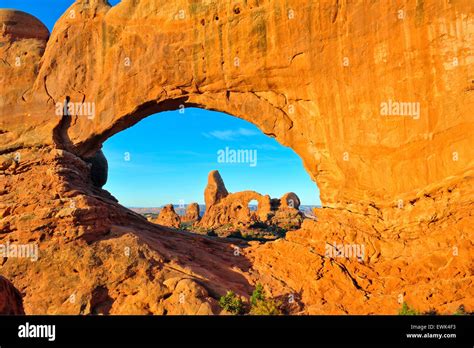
[
  {"x": 11, "y": 302},
  {"x": 99, "y": 169},
  {"x": 290, "y": 200}
]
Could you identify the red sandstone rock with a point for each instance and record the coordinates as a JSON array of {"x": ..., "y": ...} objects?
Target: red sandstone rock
[
  {"x": 215, "y": 189},
  {"x": 315, "y": 80},
  {"x": 393, "y": 269},
  {"x": 18, "y": 25},
  {"x": 192, "y": 213},
  {"x": 168, "y": 217},
  {"x": 11, "y": 302},
  {"x": 233, "y": 209},
  {"x": 290, "y": 200}
]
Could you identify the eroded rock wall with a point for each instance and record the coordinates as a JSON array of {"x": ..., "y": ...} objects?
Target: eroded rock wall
[
  {"x": 313, "y": 75},
  {"x": 323, "y": 78}
]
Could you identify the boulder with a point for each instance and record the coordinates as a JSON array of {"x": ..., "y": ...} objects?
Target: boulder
[
  {"x": 99, "y": 168},
  {"x": 19, "y": 25},
  {"x": 168, "y": 217},
  {"x": 290, "y": 200}
]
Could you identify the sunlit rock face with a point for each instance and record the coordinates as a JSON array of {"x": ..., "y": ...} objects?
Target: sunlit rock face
[
  {"x": 168, "y": 217},
  {"x": 233, "y": 210},
  {"x": 376, "y": 98},
  {"x": 352, "y": 96},
  {"x": 215, "y": 190},
  {"x": 18, "y": 25},
  {"x": 192, "y": 214}
]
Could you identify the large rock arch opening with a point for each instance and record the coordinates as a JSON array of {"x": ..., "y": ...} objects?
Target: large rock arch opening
[
  {"x": 393, "y": 181},
  {"x": 178, "y": 150},
  {"x": 254, "y": 64}
]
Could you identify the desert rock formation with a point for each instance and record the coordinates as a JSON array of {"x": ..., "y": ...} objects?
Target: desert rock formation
[
  {"x": 192, "y": 213},
  {"x": 215, "y": 190},
  {"x": 18, "y": 25},
  {"x": 168, "y": 217},
  {"x": 324, "y": 78},
  {"x": 290, "y": 200},
  {"x": 233, "y": 208}
]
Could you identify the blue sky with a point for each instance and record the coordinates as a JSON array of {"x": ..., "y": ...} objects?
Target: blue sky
[{"x": 166, "y": 157}]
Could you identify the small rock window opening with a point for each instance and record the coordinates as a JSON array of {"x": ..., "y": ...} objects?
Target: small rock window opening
[{"x": 253, "y": 205}]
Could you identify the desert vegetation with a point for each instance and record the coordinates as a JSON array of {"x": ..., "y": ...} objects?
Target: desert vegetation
[{"x": 259, "y": 303}]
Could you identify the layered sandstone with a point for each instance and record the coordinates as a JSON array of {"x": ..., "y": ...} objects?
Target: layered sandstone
[
  {"x": 425, "y": 267},
  {"x": 315, "y": 77},
  {"x": 18, "y": 25}
]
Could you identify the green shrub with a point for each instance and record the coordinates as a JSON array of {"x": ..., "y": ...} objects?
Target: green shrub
[
  {"x": 235, "y": 234},
  {"x": 184, "y": 226},
  {"x": 266, "y": 307},
  {"x": 260, "y": 305},
  {"x": 257, "y": 295},
  {"x": 406, "y": 310},
  {"x": 460, "y": 311},
  {"x": 232, "y": 303}
]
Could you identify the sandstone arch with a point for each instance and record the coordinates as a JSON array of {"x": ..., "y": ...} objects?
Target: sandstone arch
[
  {"x": 277, "y": 85},
  {"x": 399, "y": 184},
  {"x": 234, "y": 208}
]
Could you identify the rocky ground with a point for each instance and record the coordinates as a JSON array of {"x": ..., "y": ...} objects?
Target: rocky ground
[{"x": 98, "y": 257}]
